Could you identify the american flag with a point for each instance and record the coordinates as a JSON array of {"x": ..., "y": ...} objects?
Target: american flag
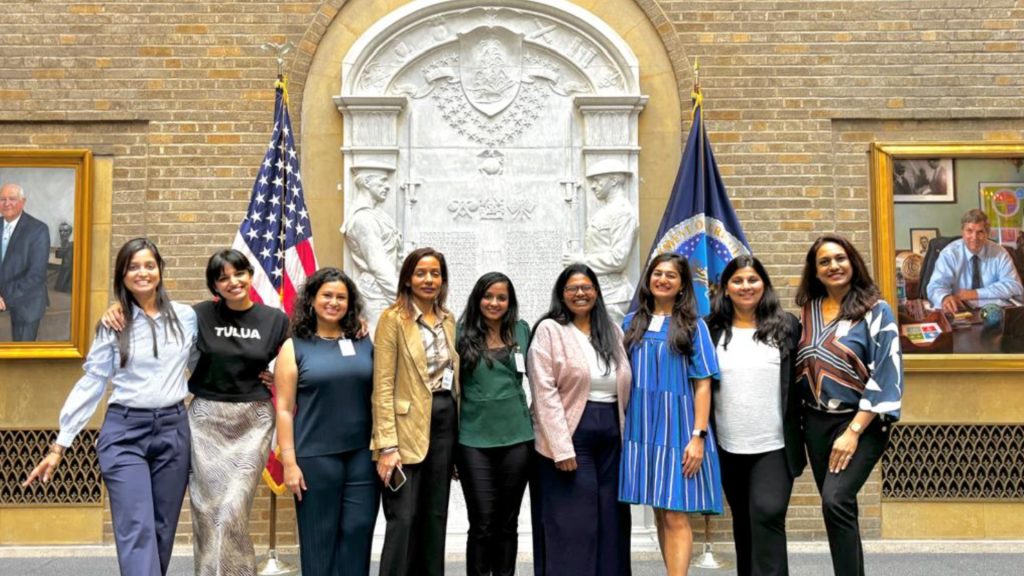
[{"x": 276, "y": 234}]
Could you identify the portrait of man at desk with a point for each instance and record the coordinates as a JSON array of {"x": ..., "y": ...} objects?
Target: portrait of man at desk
[{"x": 972, "y": 268}]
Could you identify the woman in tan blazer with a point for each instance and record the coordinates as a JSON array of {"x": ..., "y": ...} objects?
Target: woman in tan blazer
[{"x": 415, "y": 416}]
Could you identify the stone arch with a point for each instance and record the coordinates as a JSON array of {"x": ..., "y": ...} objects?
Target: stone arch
[
  {"x": 315, "y": 78},
  {"x": 329, "y": 11}
]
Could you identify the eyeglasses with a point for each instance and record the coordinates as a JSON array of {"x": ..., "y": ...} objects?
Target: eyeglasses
[{"x": 580, "y": 289}]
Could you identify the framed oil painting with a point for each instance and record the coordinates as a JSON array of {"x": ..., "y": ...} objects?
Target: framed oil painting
[
  {"x": 45, "y": 200},
  {"x": 952, "y": 267}
]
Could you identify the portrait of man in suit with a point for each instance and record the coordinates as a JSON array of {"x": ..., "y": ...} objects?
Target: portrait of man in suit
[
  {"x": 972, "y": 268},
  {"x": 24, "y": 254}
]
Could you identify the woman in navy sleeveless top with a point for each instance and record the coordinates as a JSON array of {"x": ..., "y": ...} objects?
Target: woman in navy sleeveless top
[{"x": 324, "y": 379}]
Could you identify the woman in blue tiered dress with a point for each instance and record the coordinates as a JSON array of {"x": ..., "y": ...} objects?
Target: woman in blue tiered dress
[{"x": 669, "y": 459}]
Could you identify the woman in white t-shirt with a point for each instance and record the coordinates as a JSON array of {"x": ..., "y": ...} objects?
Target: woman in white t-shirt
[{"x": 756, "y": 414}]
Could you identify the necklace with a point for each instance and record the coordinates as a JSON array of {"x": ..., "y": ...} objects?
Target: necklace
[{"x": 329, "y": 338}]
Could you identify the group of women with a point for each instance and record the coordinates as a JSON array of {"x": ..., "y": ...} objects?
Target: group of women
[{"x": 666, "y": 411}]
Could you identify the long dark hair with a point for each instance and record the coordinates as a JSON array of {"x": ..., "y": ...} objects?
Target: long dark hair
[
  {"x": 304, "y": 318},
  {"x": 684, "y": 309},
  {"x": 219, "y": 259},
  {"x": 602, "y": 331},
  {"x": 473, "y": 333},
  {"x": 770, "y": 318},
  {"x": 404, "y": 300},
  {"x": 863, "y": 292},
  {"x": 126, "y": 299}
]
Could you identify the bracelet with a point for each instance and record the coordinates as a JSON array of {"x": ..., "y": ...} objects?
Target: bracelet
[
  {"x": 57, "y": 449},
  {"x": 283, "y": 450},
  {"x": 386, "y": 451}
]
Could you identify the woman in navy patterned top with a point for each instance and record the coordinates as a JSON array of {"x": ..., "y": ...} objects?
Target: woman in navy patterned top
[{"x": 850, "y": 377}]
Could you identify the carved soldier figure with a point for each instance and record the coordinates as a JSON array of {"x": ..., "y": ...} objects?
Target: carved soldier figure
[
  {"x": 373, "y": 239},
  {"x": 610, "y": 235}
]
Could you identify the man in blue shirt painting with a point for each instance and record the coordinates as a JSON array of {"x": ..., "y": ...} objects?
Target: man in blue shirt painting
[{"x": 972, "y": 267}]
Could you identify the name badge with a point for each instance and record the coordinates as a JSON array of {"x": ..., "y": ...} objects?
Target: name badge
[
  {"x": 843, "y": 328},
  {"x": 656, "y": 323},
  {"x": 446, "y": 380},
  {"x": 346, "y": 346},
  {"x": 520, "y": 363}
]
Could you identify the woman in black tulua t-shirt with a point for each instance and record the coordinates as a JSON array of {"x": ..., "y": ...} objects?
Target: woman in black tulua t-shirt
[
  {"x": 232, "y": 417},
  {"x": 231, "y": 414}
]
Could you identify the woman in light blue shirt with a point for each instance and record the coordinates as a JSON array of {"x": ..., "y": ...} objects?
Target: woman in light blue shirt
[{"x": 144, "y": 443}]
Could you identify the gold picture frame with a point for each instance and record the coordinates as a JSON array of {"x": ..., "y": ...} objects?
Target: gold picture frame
[
  {"x": 57, "y": 187},
  {"x": 947, "y": 356}
]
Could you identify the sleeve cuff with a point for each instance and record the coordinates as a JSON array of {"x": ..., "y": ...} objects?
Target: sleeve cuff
[{"x": 66, "y": 439}]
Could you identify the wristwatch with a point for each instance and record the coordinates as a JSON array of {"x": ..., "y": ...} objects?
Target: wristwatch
[
  {"x": 856, "y": 428},
  {"x": 698, "y": 433}
]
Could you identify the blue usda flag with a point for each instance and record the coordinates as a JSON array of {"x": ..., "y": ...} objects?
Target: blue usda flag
[{"x": 699, "y": 223}]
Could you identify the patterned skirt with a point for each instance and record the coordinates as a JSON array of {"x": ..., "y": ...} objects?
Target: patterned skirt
[{"x": 230, "y": 445}]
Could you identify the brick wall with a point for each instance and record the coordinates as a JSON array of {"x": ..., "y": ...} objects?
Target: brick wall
[{"x": 180, "y": 95}]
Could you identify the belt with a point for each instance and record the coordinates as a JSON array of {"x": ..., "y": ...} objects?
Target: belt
[{"x": 129, "y": 411}]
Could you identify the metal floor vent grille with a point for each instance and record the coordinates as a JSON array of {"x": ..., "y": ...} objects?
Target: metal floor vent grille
[
  {"x": 954, "y": 462},
  {"x": 77, "y": 480}
]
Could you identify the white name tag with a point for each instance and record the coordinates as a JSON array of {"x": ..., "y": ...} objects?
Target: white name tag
[
  {"x": 346, "y": 346},
  {"x": 843, "y": 328},
  {"x": 656, "y": 323},
  {"x": 446, "y": 380},
  {"x": 520, "y": 363}
]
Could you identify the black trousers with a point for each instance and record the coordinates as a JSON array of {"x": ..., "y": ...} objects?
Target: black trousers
[
  {"x": 758, "y": 487},
  {"x": 579, "y": 526},
  {"x": 417, "y": 514},
  {"x": 493, "y": 482},
  {"x": 839, "y": 491},
  {"x": 337, "y": 513}
]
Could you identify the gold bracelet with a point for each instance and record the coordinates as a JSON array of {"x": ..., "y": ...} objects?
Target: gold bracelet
[{"x": 57, "y": 449}]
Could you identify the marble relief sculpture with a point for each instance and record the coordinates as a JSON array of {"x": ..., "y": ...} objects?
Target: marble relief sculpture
[
  {"x": 373, "y": 240},
  {"x": 490, "y": 114},
  {"x": 610, "y": 235}
]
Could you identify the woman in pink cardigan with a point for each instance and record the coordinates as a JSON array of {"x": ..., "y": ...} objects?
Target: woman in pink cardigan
[{"x": 580, "y": 378}]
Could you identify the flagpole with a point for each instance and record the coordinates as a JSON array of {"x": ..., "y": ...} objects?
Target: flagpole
[
  {"x": 271, "y": 565},
  {"x": 707, "y": 559}
]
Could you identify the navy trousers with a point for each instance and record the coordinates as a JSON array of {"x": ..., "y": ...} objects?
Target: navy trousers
[
  {"x": 144, "y": 457},
  {"x": 579, "y": 525},
  {"x": 24, "y": 331},
  {"x": 337, "y": 513}
]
